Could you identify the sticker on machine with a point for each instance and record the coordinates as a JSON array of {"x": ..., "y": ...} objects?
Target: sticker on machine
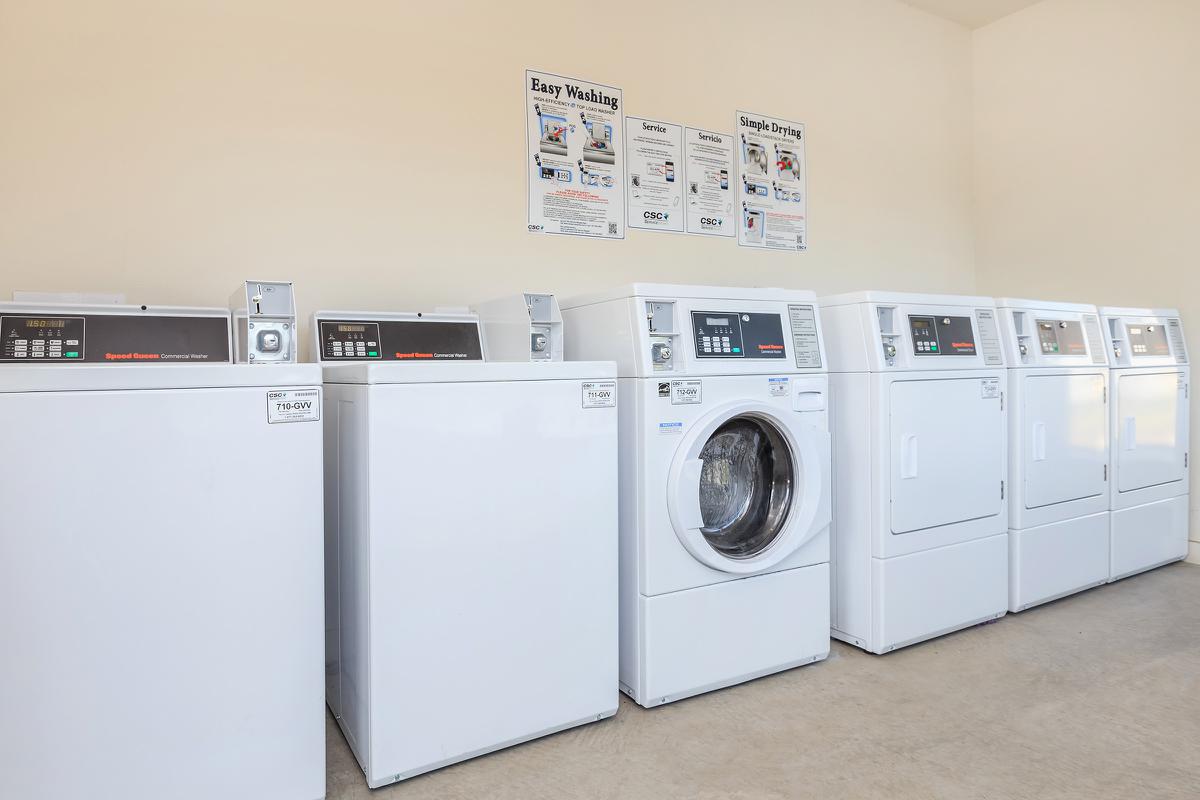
[
  {"x": 989, "y": 388},
  {"x": 670, "y": 428},
  {"x": 684, "y": 393},
  {"x": 777, "y": 387},
  {"x": 294, "y": 405},
  {"x": 599, "y": 394}
]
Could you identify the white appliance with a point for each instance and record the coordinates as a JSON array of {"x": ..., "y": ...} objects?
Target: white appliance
[
  {"x": 1058, "y": 516},
  {"x": 725, "y": 482},
  {"x": 920, "y": 466},
  {"x": 160, "y": 560},
  {"x": 1149, "y": 438},
  {"x": 471, "y": 554}
]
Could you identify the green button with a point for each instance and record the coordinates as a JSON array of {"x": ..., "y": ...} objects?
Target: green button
[
  {"x": 737, "y": 349},
  {"x": 71, "y": 354},
  {"x": 372, "y": 353}
]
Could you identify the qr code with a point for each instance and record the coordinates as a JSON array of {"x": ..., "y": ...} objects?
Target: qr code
[{"x": 612, "y": 229}]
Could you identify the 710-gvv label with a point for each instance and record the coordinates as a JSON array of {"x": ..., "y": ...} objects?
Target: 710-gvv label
[{"x": 294, "y": 405}]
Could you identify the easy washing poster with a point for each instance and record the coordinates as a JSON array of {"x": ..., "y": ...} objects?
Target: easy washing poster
[
  {"x": 575, "y": 159},
  {"x": 653, "y": 155},
  {"x": 772, "y": 183}
]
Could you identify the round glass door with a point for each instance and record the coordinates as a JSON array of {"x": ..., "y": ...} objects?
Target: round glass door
[{"x": 745, "y": 486}]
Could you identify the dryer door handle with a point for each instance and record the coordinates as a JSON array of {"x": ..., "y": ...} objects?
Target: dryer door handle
[
  {"x": 689, "y": 506},
  {"x": 908, "y": 456},
  {"x": 1130, "y": 433},
  {"x": 1039, "y": 441}
]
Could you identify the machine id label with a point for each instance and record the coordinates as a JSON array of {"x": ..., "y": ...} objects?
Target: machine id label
[
  {"x": 989, "y": 388},
  {"x": 294, "y": 405},
  {"x": 599, "y": 394},
  {"x": 670, "y": 428},
  {"x": 777, "y": 387},
  {"x": 685, "y": 393}
]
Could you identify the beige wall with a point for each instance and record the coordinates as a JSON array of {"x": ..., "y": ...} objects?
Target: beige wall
[
  {"x": 1087, "y": 158},
  {"x": 374, "y": 151}
]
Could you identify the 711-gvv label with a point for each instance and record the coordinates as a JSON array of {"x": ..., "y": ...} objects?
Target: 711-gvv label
[
  {"x": 294, "y": 405},
  {"x": 599, "y": 394}
]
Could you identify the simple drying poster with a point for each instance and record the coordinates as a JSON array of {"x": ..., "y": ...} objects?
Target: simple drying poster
[
  {"x": 773, "y": 184},
  {"x": 653, "y": 152},
  {"x": 575, "y": 164},
  {"x": 709, "y": 194}
]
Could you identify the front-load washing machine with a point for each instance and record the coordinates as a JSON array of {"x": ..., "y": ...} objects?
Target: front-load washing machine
[
  {"x": 920, "y": 533},
  {"x": 1149, "y": 438},
  {"x": 471, "y": 541},
  {"x": 1058, "y": 467},
  {"x": 725, "y": 481},
  {"x": 160, "y": 560}
]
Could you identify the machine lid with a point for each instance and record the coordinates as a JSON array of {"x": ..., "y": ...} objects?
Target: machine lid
[
  {"x": 469, "y": 372},
  {"x": 746, "y": 490},
  {"x": 344, "y": 336},
  {"x": 111, "y": 335},
  {"x": 121, "y": 377}
]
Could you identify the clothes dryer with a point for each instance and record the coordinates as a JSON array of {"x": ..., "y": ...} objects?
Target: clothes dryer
[
  {"x": 160, "y": 560},
  {"x": 471, "y": 553},
  {"x": 725, "y": 481},
  {"x": 1150, "y": 420},
  {"x": 1058, "y": 538},
  {"x": 920, "y": 466}
]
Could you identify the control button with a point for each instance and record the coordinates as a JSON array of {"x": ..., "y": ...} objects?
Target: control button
[
  {"x": 708, "y": 348},
  {"x": 71, "y": 354},
  {"x": 20, "y": 355},
  {"x": 20, "y": 342},
  {"x": 371, "y": 344},
  {"x": 72, "y": 342},
  {"x": 54, "y": 342},
  {"x": 38, "y": 354}
]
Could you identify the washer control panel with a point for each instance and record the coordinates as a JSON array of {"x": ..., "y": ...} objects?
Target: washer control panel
[
  {"x": 350, "y": 341},
  {"x": 30, "y": 338},
  {"x": 1061, "y": 337},
  {"x": 942, "y": 336},
  {"x": 1148, "y": 340},
  {"x": 738, "y": 334}
]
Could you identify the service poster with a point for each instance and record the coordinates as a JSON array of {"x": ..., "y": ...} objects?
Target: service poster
[
  {"x": 709, "y": 170},
  {"x": 575, "y": 161},
  {"x": 653, "y": 158},
  {"x": 772, "y": 183}
]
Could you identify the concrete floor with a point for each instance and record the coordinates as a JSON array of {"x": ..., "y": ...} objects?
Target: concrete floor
[{"x": 1097, "y": 695}]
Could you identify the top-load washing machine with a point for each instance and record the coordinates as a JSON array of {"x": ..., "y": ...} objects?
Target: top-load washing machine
[
  {"x": 920, "y": 466},
  {"x": 160, "y": 560},
  {"x": 725, "y": 480},
  {"x": 1058, "y": 449},
  {"x": 1149, "y": 437},
  {"x": 471, "y": 535}
]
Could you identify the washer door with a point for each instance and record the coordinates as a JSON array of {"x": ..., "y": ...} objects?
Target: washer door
[{"x": 746, "y": 489}]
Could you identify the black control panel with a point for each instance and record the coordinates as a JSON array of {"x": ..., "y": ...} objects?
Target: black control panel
[
  {"x": 399, "y": 340},
  {"x": 1148, "y": 340},
  {"x": 738, "y": 334},
  {"x": 1061, "y": 337},
  {"x": 113, "y": 339},
  {"x": 942, "y": 336}
]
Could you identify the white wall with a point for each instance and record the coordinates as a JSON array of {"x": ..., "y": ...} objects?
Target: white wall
[
  {"x": 1087, "y": 159},
  {"x": 374, "y": 151}
]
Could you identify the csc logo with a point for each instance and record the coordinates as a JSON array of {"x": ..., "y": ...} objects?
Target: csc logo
[
  {"x": 657, "y": 216},
  {"x": 713, "y": 221}
]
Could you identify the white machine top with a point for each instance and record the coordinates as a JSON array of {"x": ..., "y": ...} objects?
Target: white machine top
[
  {"x": 1051, "y": 335},
  {"x": 663, "y": 331},
  {"x": 688, "y": 291},
  {"x": 1144, "y": 337},
  {"x": 469, "y": 372},
  {"x": 129, "y": 377},
  {"x": 910, "y": 332},
  {"x": 904, "y": 298}
]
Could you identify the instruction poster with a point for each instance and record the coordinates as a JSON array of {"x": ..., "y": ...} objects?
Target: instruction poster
[
  {"x": 575, "y": 164},
  {"x": 708, "y": 170},
  {"x": 773, "y": 183},
  {"x": 653, "y": 154}
]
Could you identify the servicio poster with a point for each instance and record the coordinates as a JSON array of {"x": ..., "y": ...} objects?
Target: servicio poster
[
  {"x": 773, "y": 183},
  {"x": 652, "y": 154},
  {"x": 708, "y": 168},
  {"x": 575, "y": 164}
]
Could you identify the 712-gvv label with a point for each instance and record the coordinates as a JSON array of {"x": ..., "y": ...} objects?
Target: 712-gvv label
[{"x": 294, "y": 405}]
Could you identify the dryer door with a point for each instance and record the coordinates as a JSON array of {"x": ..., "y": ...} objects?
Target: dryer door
[
  {"x": 1152, "y": 429},
  {"x": 947, "y": 459},
  {"x": 747, "y": 488},
  {"x": 1065, "y": 436}
]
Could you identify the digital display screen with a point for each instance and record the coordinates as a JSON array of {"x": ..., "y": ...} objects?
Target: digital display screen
[
  {"x": 45, "y": 323},
  {"x": 351, "y": 328},
  {"x": 721, "y": 321}
]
